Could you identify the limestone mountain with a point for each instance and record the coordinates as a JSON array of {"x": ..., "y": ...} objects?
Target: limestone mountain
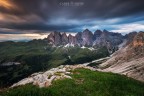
[
  {"x": 79, "y": 38},
  {"x": 129, "y": 37},
  {"x": 97, "y": 34},
  {"x": 55, "y": 38},
  {"x": 129, "y": 60},
  {"x": 71, "y": 39},
  {"x": 87, "y": 38},
  {"x": 64, "y": 39}
]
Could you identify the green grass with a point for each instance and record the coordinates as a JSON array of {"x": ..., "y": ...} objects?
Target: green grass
[{"x": 84, "y": 83}]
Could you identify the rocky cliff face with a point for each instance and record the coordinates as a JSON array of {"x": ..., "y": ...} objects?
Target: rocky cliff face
[
  {"x": 64, "y": 38},
  {"x": 129, "y": 60},
  {"x": 55, "y": 38},
  {"x": 97, "y": 34},
  {"x": 108, "y": 39},
  {"x": 87, "y": 38},
  {"x": 79, "y": 39},
  {"x": 138, "y": 40},
  {"x": 72, "y": 39},
  {"x": 130, "y": 37}
]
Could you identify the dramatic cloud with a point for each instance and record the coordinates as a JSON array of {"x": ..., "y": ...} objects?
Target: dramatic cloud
[
  {"x": 126, "y": 28},
  {"x": 7, "y": 4},
  {"x": 40, "y": 16}
]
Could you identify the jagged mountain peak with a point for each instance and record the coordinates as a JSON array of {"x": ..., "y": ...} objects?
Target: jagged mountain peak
[
  {"x": 98, "y": 31},
  {"x": 64, "y": 38},
  {"x": 87, "y": 38},
  {"x": 64, "y": 33},
  {"x": 130, "y": 37},
  {"x": 97, "y": 34},
  {"x": 105, "y": 30},
  {"x": 86, "y": 30}
]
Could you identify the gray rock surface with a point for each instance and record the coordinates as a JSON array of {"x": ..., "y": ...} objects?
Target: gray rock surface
[
  {"x": 129, "y": 60},
  {"x": 45, "y": 79}
]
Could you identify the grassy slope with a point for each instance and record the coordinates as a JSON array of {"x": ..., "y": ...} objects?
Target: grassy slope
[{"x": 84, "y": 83}]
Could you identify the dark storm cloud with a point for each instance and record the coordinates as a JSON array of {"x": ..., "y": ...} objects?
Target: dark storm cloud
[
  {"x": 5, "y": 32},
  {"x": 42, "y": 27},
  {"x": 54, "y": 15},
  {"x": 99, "y": 8}
]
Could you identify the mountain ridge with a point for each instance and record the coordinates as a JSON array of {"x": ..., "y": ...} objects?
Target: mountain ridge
[
  {"x": 87, "y": 38},
  {"x": 129, "y": 59}
]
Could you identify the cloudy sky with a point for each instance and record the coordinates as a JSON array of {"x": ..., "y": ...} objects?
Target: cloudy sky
[{"x": 27, "y": 19}]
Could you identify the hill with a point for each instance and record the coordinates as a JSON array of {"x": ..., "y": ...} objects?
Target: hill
[
  {"x": 21, "y": 59},
  {"x": 129, "y": 60},
  {"x": 84, "y": 82}
]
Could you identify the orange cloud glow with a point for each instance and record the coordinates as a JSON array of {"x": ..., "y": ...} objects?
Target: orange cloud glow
[{"x": 7, "y": 4}]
